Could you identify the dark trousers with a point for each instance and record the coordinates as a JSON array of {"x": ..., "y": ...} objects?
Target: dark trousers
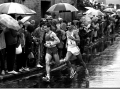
[
  {"x": 20, "y": 60},
  {"x": 11, "y": 57},
  {"x": 2, "y": 59}
]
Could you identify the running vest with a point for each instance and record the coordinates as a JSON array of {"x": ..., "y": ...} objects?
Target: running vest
[
  {"x": 49, "y": 38},
  {"x": 71, "y": 42}
]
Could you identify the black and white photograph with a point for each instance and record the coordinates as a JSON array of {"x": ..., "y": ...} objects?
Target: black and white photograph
[{"x": 61, "y": 44}]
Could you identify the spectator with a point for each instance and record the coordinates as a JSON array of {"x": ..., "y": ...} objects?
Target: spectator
[
  {"x": 39, "y": 35},
  {"x": 2, "y": 48},
  {"x": 20, "y": 57},
  {"x": 28, "y": 45},
  {"x": 11, "y": 44}
]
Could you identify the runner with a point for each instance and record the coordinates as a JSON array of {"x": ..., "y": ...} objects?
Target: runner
[
  {"x": 73, "y": 49},
  {"x": 51, "y": 50}
]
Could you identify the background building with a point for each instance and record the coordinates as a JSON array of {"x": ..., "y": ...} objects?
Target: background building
[
  {"x": 40, "y": 6},
  {"x": 113, "y": 2},
  {"x": 100, "y": 1}
]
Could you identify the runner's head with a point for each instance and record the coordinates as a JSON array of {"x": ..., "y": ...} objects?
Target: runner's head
[
  {"x": 70, "y": 26},
  {"x": 47, "y": 27}
]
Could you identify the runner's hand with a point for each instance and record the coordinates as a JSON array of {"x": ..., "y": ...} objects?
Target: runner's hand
[
  {"x": 47, "y": 45},
  {"x": 70, "y": 37}
]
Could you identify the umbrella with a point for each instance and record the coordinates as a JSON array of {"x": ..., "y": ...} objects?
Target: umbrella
[
  {"x": 62, "y": 7},
  {"x": 114, "y": 14},
  {"x": 9, "y": 22},
  {"x": 93, "y": 12},
  {"x": 89, "y": 8},
  {"x": 118, "y": 10},
  {"x": 110, "y": 10},
  {"x": 23, "y": 20},
  {"x": 14, "y": 8},
  {"x": 33, "y": 12}
]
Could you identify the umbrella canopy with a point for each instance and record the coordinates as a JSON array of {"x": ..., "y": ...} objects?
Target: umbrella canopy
[
  {"x": 9, "y": 22},
  {"x": 89, "y": 8},
  {"x": 118, "y": 12},
  {"x": 62, "y": 7},
  {"x": 14, "y": 8},
  {"x": 93, "y": 12},
  {"x": 24, "y": 19},
  {"x": 110, "y": 10},
  {"x": 114, "y": 14},
  {"x": 33, "y": 12}
]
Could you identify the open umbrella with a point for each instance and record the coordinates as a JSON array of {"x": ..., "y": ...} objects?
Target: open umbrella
[
  {"x": 110, "y": 10},
  {"x": 9, "y": 22},
  {"x": 93, "y": 12},
  {"x": 24, "y": 19},
  {"x": 114, "y": 14},
  {"x": 33, "y": 12},
  {"x": 89, "y": 8},
  {"x": 14, "y": 8},
  {"x": 118, "y": 12},
  {"x": 62, "y": 7}
]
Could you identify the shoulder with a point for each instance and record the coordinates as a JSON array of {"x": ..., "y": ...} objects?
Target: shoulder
[
  {"x": 53, "y": 33},
  {"x": 75, "y": 32}
]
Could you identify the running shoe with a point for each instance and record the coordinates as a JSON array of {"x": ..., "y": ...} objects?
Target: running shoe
[
  {"x": 3, "y": 72},
  {"x": 39, "y": 66},
  {"x": 47, "y": 79},
  {"x": 86, "y": 74},
  {"x": 13, "y": 72},
  {"x": 21, "y": 70},
  {"x": 26, "y": 69},
  {"x": 72, "y": 73}
]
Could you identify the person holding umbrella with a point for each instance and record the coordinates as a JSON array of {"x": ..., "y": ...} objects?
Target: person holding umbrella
[
  {"x": 2, "y": 47},
  {"x": 11, "y": 44},
  {"x": 11, "y": 40}
]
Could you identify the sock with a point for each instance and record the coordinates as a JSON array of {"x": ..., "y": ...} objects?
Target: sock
[{"x": 48, "y": 76}]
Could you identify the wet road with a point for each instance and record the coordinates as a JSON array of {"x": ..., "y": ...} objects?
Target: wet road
[{"x": 105, "y": 69}]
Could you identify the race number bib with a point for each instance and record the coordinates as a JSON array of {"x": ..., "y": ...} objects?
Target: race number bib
[{"x": 71, "y": 42}]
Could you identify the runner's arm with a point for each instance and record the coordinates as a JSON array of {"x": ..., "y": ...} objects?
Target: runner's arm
[
  {"x": 56, "y": 39},
  {"x": 77, "y": 38}
]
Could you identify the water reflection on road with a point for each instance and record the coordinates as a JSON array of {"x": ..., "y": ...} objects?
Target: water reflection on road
[{"x": 105, "y": 70}]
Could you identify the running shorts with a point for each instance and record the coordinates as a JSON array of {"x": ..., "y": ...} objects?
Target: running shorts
[
  {"x": 74, "y": 50},
  {"x": 52, "y": 50}
]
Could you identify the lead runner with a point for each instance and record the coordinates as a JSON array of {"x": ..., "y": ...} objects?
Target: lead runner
[
  {"x": 51, "y": 50},
  {"x": 73, "y": 49}
]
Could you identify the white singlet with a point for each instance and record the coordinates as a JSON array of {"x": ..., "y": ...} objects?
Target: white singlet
[{"x": 71, "y": 44}]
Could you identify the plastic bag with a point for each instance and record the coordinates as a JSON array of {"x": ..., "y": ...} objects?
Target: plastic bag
[{"x": 19, "y": 49}]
